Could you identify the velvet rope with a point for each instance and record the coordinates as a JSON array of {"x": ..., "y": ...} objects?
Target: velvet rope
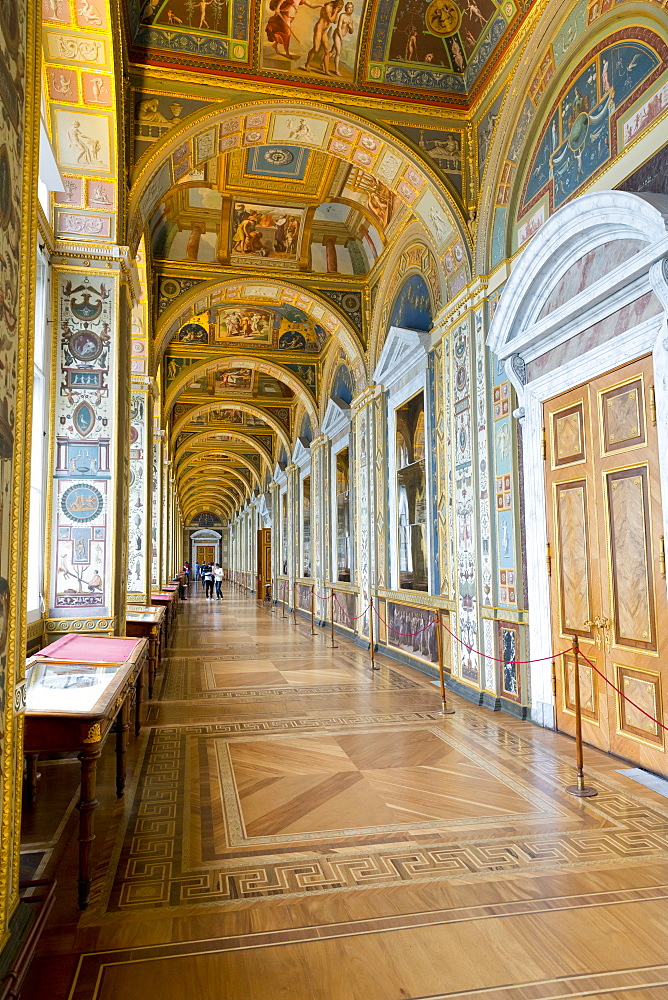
[{"x": 621, "y": 693}]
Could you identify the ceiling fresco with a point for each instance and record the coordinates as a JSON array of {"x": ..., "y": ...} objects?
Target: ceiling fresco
[
  {"x": 423, "y": 50},
  {"x": 316, "y": 212}
]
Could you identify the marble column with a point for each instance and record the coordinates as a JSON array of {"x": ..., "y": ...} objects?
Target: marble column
[
  {"x": 329, "y": 244},
  {"x": 157, "y": 540},
  {"x": 294, "y": 548},
  {"x": 321, "y": 501},
  {"x": 364, "y": 431},
  {"x": 141, "y": 493},
  {"x": 275, "y": 491}
]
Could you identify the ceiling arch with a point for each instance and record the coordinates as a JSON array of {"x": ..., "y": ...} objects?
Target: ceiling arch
[
  {"x": 215, "y": 505},
  {"x": 216, "y": 508},
  {"x": 193, "y": 476},
  {"x": 216, "y": 435},
  {"x": 211, "y": 487},
  {"x": 266, "y": 292},
  {"x": 194, "y": 459},
  {"x": 275, "y": 425},
  {"x": 187, "y": 375},
  {"x": 339, "y": 133}
]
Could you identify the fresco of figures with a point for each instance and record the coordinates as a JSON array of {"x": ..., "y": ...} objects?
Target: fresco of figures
[
  {"x": 409, "y": 631},
  {"x": 345, "y": 608},
  {"x": 311, "y": 39},
  {"x": 266, "y": 232}
]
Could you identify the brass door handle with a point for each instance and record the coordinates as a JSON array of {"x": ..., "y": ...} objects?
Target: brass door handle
[{"x": 591, "y": 625}]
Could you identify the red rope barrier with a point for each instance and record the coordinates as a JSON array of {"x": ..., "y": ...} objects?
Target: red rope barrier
[
  {"x": 621, "y": 693},
  {"x": 352, "y": 618},
  {"x": 408, "y": 634},
  {"x": 496, "y": 658}
]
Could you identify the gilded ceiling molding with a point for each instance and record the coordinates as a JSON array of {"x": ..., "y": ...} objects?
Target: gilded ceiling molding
[
  {"x": 341, "y": 134},
  {"x": 334, "y": 320},
  {"x": 184, "y": 421},
  {"x": 235, "y": 456},
  {"x": 194, "y": 475},
  {"x": 212, "y": 436}
]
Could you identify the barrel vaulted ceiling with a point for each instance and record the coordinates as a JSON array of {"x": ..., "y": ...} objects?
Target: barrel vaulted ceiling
[{"x": 268, "y": 233}]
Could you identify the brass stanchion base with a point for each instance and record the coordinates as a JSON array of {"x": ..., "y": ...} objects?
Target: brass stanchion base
[
  {"x": 447, "y": 711},
  {"x": 582, "y": 793}
]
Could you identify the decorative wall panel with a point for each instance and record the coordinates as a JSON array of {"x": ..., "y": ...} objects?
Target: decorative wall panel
[{"x": 85, "y": 414}]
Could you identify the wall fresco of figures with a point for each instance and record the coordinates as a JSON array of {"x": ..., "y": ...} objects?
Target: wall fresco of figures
[
  {"x": 82, "y": 496},
  {"x": 409, "y": 630},
  {"x": 596, "y": 114}
]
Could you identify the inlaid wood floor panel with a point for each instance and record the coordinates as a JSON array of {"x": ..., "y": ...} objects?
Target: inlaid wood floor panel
[{"x": 296, "y": 825}]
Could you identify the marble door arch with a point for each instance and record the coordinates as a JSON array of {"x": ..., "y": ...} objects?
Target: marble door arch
[{"x": 588, "y": 294}]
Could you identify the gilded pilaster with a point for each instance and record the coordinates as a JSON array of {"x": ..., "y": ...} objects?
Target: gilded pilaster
[{"x": 19, "y": 143}]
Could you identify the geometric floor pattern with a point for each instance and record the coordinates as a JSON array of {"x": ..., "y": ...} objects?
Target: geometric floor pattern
[{"x": 297, "y": 826}]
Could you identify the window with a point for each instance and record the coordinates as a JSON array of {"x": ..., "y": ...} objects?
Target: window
[
  {"x": 306, "y": 527},
  {"x": 38, "y": 444},
  {"x": 411, "y": 495},
  {"x": 344, "y": 554},
  {"x": 284, "y": 533}
]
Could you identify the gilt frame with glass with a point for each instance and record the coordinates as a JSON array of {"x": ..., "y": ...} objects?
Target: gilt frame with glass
[
  {"x": 411, "y": 495},
  {"x": 344, "y": 518},
  {"x": 307, "y": 543}
]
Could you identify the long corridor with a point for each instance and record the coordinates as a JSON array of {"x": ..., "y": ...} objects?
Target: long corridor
[{"x": 297, "y": 826}]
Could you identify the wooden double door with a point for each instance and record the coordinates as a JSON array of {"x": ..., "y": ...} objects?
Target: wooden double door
[
  {"x": 263, "y": 564},
  {"x": 607, "y": 561},
  {"x": 206, "y": 554}
]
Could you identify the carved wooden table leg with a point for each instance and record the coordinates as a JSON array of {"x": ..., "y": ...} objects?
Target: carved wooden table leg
[
  {"x": 87, "y": 805},
  {"x": 139, "y": 688},
  {"x": 122, "y": 726},
  {"x": 151, "y": 662},
  {"x": 32, "y": 777}
]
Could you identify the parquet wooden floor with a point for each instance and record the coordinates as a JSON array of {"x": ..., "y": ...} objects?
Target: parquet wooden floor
[{"x": 296, "y": 826}]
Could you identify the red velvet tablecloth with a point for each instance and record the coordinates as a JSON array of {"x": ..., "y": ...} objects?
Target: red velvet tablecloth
[{"x": 89, "y": 648}]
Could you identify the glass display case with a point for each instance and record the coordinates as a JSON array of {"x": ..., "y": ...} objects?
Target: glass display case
[{"x": 71, "y": 688}]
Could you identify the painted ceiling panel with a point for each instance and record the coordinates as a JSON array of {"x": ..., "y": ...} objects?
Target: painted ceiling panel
[{"x": 422, "y": 49}]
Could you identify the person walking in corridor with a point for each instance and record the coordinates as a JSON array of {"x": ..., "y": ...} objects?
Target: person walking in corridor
[
  {"x": 207, "y": 577},
  {"x": 218, "y": 580}
]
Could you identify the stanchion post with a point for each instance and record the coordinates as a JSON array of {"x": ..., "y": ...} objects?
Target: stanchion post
[
  {"x": 371, "y": 642},
  {"x": 312, "y": 609},
  {"x": 284, "y": 614},
  {"x": 294, "y": 603},
  {"x": 441, "y": 673},
  {"x": 333, "y": 645},
  {"x": 580, "y": 789}
]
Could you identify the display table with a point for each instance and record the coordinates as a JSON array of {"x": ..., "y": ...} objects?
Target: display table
[
  {"x": 147, "y": 622},
  {"x": 166, "y": 599},
  {"x": 76, "y": 688}
]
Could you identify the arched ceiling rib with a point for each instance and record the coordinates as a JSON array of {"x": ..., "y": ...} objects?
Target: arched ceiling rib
[
  {"x": 216, "y": 453},
  {"x": 256, "y": 411},
  {"x": 219, "y": 439},
  {"x": 240, "y": 361}
]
